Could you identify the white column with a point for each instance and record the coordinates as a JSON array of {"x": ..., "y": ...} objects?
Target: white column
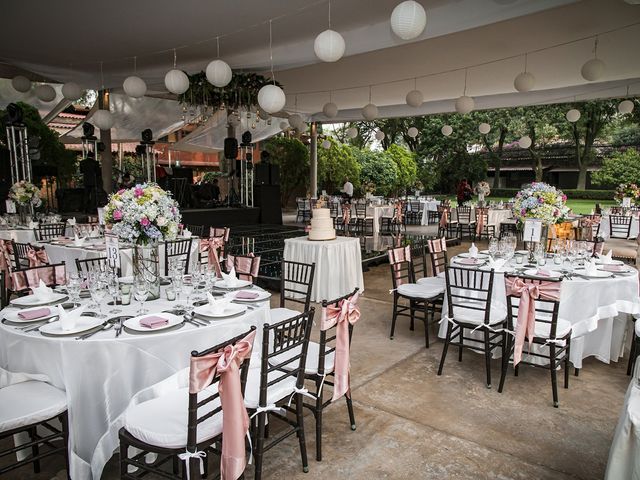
[{"x": 313, "y": 160}]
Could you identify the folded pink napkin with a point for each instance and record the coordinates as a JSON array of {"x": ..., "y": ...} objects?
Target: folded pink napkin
[
  {"x": 33, "y": 314},
  {"x": 469, "y": 261},
  {"x": 613, "y": 268},
  {"x": 543, "y": 272},
  {"x": 247, "y": 295},
  {"x": 153, "y": 321}
]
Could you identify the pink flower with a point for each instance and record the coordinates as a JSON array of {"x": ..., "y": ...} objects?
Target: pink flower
[
  {"x": 138, "y": 192},
  {"x": 145, "y": 222},
  {"x": 117, "y": 215},
  {"x": 120, "y": 191}
]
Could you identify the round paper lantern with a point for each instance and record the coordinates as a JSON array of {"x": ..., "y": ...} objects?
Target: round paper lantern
[
  {"x": 21, "y": 83},
  {"x": 593, "y": 70},
  {"x": 414, "y": 98},
  {"x": 330, "y": 110},
  {"x": 524, "y": 82},
  {"x": 484, "y": 128},
  {"x": 412, "y": 132},
  {"x": 284, "y": 125},
  {"x": 380, "y": 135},
  {"x": 71, "y": 91},
  {"x": 219, "y": 73},
  {"x": 176, "y": 81},
  {"x": 625, "y": 106},
  {"x": 352, "y": 132},
  {"x": 573, "y": 115},
  {"x": 326, "y": 144},
  {"x": 296, "y": 121},
  {"x": 408, "y": 20},
  {"x": 329, "y": 46},
  {"x": 525, "y": 142},
  {"x": 465, "y": 104},
  {"x": 103, "y": 119},
  {"x": 134, "y": 86},
  {"x": 447, "y": 130},
  {"x": 45, "y": 92},
  {"x": 370, "y": 112},
  {"x": 271, "y": 98}
]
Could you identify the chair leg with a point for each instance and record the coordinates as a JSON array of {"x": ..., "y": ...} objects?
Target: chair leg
[
  {"x": 447, "y": 340},
  {"x": 566, "y": 363},
  {"x": 461, "y": 343},
  {"x": 412, "y": 312},
  {"x": 395, "y": 316},
  {"x": 300, "y": 426},
  {"x": 124, "y": 455},
  {"x": 632, "y": 353},
  {"x": 64, "y": 421},
  {"x": 352, "y": 417},
  {"x": 487, "y": 356},
  {"x": 35, "y": 449},
  {"x": 554, "y": 374},
  {"x": 506, "y": 353},
  {"x": 258, "y": 452},
  {"x": 318, "y": 414},
  {"x": 576, "y": 372},
  {"x": 426, "y": 324}
]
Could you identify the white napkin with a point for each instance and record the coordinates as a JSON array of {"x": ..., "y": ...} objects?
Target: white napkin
[
  {"x": 217, "y": 305},
  {"x": 69, "y": 319},
  {"x": 606, "y": 259},
  {"x": 230, "y": 279},
  {"x": 72, "y": 221},
  {"x": 33, "y": 224},
  {"x": 78, "y": 241},
  {"x": 496, "y": 264},
  {"x": 590, "y": 268},
  {"x": 186, "y": 233},
  {"x": 42, "y": 292},
  {"x": 473, "y": 251}
]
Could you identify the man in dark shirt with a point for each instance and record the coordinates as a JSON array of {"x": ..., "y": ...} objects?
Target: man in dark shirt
[
  {"x": 215, "y": 191},
  {"x": 90, "y": 170}
]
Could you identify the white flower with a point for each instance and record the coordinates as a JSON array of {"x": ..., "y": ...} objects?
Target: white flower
[{"x": 161, "y": 221}]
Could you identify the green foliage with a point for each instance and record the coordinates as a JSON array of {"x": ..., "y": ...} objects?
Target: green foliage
[
  {"x": 335, "y": 165},
  {"x": 628, "y": 134},
  {"x": 428, "y": 174},
  {"x": 407, "y": 168},
  {"x": 378, "y": 170},
  {"x": 209, "y": 177},
  {"x": 292, "y": 156},
  {"x": 621, "y": 167}
]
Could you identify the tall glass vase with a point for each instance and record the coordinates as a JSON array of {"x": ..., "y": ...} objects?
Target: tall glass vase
[
  {"x": 25, "y": 214},
  {"x": 146, "y": 265}
]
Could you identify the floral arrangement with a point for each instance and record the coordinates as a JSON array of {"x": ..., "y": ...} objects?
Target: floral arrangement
[
  {"x": 630, "y": 190},
  {"x": 540, "y": 200},
  {"x": 25, "y": 193},
  {"x": 368, "y": 187},
  {"x": 143, "y": 214},
  {"x": 482, "y": 188}
]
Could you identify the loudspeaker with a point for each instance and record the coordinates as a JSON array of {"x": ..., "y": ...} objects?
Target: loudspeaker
[
  {"x": 261, "y": 174},
  {"x": 246, "y": 138},
  {"x": 267, "y": 197},
  {"x": 147, "y": 136},
  {"x": 265, "y": 156},
  {"x": 88, "y": 130},
  {"x": 238, "y": 168},
  {"x": 14, "y": 114},
  {"x": 274, "y": 175},
  {"x": 230, "y": 148}
]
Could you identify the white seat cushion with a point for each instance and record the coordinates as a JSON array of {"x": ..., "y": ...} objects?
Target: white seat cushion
[
  {"x": 313, "y": 355},
  {"x": 275, "y": 392},
  {"x": 467, "y": 315},
  {"x": 28, "y": 403},
  {"x": 542, "y": 330},
  {"x": 419, "y": 291},
  {"x": 436, "y": 283},
  {"x": 279, "y": 314},
  {"x": 162, "y": 421}
]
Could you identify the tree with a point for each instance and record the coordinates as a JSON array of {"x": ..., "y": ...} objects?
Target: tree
[
  {"x": 407, "y": 168},
  {"x": 292, "y": 156},
  {"x": 620, "y": 167},
  {"x": 378, "y": 169},
  {"x": 335, "y": 165}
]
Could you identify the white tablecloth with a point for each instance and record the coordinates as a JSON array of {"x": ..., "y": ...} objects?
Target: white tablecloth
[
  {"x": 101, "y": 374},
  {"x": 338, "y": 264},
  {"x": 624, "y": 456},
  {"x": 25, "y": 235},
  {"x": 429, "y": 206},
  {"x": 598, "y": 309},
  {"x": 604, "y": 231},
  {"x": 377, "y": 213},
  {"x": 495, "y": 216}
]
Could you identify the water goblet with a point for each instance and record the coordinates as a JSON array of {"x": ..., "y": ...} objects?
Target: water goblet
[
  {"x": 114, "y": 289},
  {"x": 98, "y": 293},
  {"x": 140, "y": 292}
]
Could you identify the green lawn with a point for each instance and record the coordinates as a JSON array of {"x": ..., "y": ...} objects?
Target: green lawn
[{"x": 578, "y": 206}]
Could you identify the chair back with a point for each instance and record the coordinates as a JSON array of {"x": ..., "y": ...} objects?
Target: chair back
[
  {"x": 246, "y": 266},
  {"x": 327, "y": 343},
  {"x": 416, "y": 206},
  {"x": 26, "y": 279},
  {"x": 197, "y": 230},
  {"x": 296, "y": 282},
  {"x": 28, "y": 255},
  {"x": 619, "y": 226},
  {"x": 96, "y": 264},
  {"x": 21, "y": 259},
  {"x": 418, "y": 260},
  {"x": 7, "y": 257},
  {"x": 49, "y": 231},
  {"x": 464, "y": 214},
  {"x": 334, "y": 209},
  {"x": 177, "y": 250},
  {"x": 616, "y": 210},
  {"x": 4, "y": 295},
  {"x": 361, "y": 209},
  {"x": 482, "y": 214},
  {"x": 469, "y": 289},
  {"x": 223, "y": 232},
  {"x": 590, "y": 226},
  {"x": 401, "y": 265},
  {"x": 437, "y": 249}
]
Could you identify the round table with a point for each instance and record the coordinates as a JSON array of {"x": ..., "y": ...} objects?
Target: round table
[
  {"x": 24, "y": 234},
  {"x": 338, "y": 264},
  {"x": 598, "y": 310},
  {"x": 102, "y": 373}
]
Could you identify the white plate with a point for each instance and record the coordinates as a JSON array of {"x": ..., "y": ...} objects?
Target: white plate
[
  {"x": 533, "y": 272},
  {"x": 231, "y": 310},
  {"x": 82, "y": 325},
  {"x": 466, "y": 255},
  {"x": 596, "y": 274},
  {"x": 134, "y": 323},
  {"x": 239, "y": 284},
  {"x": 470, "y": 265},
  {"x": 262, "y": 295},
  {"x": 12, "y": 315},
  {"x": 32, "y": 301},
  {"x": 502, "y": 269},
  {"x": 610, "y": 262}
]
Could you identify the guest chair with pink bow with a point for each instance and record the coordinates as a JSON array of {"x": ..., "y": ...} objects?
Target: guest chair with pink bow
[
  {"x": 96, "y": 264},
  {"x": 196, "y": 230},
  {"x": 446, "y": 225},
  {"x": 28, "y": 255},
  {"x": 177, "y": 251},
  {"x": 470, "y": 308},
  {"x": 247, "y": 266},
  {"x": 278, "y": 382},
  {"x": 182, "y": 426},
  {"x": 25, "y": 279},
  {"x": 296, "y": 284},
  {"x": 465, "y": 222},
  {"x": 532, "y": 317},
  {"x": 49, "y": 231},
  {"x": 590, "y": 226},
  {"x": 482, "y": 224}
]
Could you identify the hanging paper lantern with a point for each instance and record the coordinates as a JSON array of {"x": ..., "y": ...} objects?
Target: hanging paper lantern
[
  {"x": 296, "y": 121},
  {"x": 573, "y": 115},
  {"x": 484, "y": 128},
  {"x": 103, "y": 119},
  {"x": 329, "y": 46},
  {"x": 465, "y": 105},
  {"x": 284, "y": 125},
  {"x": 271, "y": 98},
  {"x": 370, "y": 112},
  {"x": 413, "y": 132},
  {"x": 45, "y": 92},
  {"x": 380, "y": 135},
  {"x": 21, "y": 83},
  {"x": 525, "y": 142},
  {"x": 330, "y": 110},
  {"x": 176, "y": 81},
  {"x": 447, "y": 130},
  {"x": 524, "y": 82},
  {"x": 219, "y": 73},
  {"x": 326, "y": 144},
  {"x": 414, "y": 98},
  {"x": 408, "y": 20},
  {"x": 134, "y": 86},
  {"x": 593, "y": 70},
  {"x": 625, "y": 106},
  {"x": 71, "y": 91},
  {"x": 352, "y": 132}
]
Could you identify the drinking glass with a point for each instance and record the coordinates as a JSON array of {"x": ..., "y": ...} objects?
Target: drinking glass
[
  {"x": 187, "y": 288},
  {"x": 98, "y": 291},
  {"x": 114, "y": 288},
  {"x": 140, "y": 292},
  {"x": 73, "y": 289},
  {"x": 493, "y": 247}
]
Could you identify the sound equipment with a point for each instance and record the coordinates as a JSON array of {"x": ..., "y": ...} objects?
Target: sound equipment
[
  {"x": 147, "y": 136},
  {"x": 14, "y": 114},
  {"x": 88, "y": 130},
  {"x": 246, "y": 139},
  {"x": 261, "y": 174},
  {"x": 267, "y": 197},
  {"x": 265, "y": 156},
  {"x": 230, "y": 148}
]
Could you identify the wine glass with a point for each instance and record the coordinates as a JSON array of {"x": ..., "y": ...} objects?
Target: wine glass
[
  {"x": 98, "y": 291},
  {"x": 114, "y": 288},
  {"x": 493, "y": 247},
  {"x": 73, "y": 289},
  {"x": 140, "y": 292},
  {"x": 187, "y": 288}
]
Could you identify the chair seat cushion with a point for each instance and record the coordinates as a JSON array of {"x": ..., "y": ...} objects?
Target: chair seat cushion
[
  {"x": 162, "y": 421},
  {"x": 636, "y": 326},
  {"x": 313, "y": 357},
  {"x": 563, "y": 327},
  {"x": 622, "y": 248},
  {"x": 437, "y": 283},
  {"x": 419, "y": 291},
  {"x": 27, "y": 403},
  {"x": 497, "y": 315},
  {"x": 276, "y": 392},
  {"x": 277, "y": 315}
]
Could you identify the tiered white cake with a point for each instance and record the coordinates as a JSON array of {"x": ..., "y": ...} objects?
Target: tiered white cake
[{"x": 322, "y": 225}]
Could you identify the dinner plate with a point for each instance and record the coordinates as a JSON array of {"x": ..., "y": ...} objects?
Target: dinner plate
[
  {"x": 240, "y": 284},
  {"x": 134, "y": 323},
  {"x": 467, "y": 255},
  {"x": 502, "y": 269},
  {"x": 595, "y": 274},
  {"x": 33, "y": 301},
  {"x": 462, "y": 262},
  {"x": 533, "y": 272},
  {"x": 83, "y": 324},
  {"x": 231, "y": 310},
  {"x": 608, "y": 262},
  {"x": 262, "y": 295},
  {"x": 12, "y": 315}
]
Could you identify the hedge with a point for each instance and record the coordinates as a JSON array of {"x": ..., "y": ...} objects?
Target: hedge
[{"x": 571, "y": 194}]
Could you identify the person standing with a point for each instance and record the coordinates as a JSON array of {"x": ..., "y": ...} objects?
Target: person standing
[
  {"x": 347, "y": 188},
  {"x": 90, "y": 170}
]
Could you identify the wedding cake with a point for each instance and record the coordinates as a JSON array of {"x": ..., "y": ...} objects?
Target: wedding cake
[{"x": 322, "y": 225}]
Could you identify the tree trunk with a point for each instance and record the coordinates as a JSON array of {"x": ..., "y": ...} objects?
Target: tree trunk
[{"x": 582, "y": 178}]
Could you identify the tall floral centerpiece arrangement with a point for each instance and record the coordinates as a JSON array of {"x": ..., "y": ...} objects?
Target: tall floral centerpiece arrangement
[
  {"x": 482, "y": 189},
  {"x": 26, "y": 196},
  {"x": 627, "y": 190},
  {"x": 542, "y": 201},
  {"x": 144, "y": 215}
]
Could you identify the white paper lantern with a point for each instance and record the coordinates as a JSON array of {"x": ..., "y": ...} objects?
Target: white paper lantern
[
  {"x": 176, "y": 81},
  {"x": 219, "y": 73},
  {"x": 573, "y": 115},
  {"x": 413, "y": 132},
  {"x": 625, "y": 106},
  {"x": 465, "y": 105},
  {"x": 408, "y": 20},
  {"x": 330, "y": 110},
  {"x": 284, "y": 125},
  {"x": 593, "y": 70},
  {"x": 484, "y": 128},
  {"x": 329, "y": 46},
  {"x": 524, "y": 82},
  {"x": 370, "y": 112},
  {"x": 415, "y": 98},
  {"x": 525, "y": 142},
  {"x": 45, "y": 92},
  {"x": 134, "y": 86},
  {"x": 271, "y": 98},
  {"x": 326, "y": 144},
  {"x": 352, "y": 132},
  {"x": 296, "y": 121},
  {"x": 21, "y": 83},
  {"x": 380, "y": 135},
  {"x": 103, "y": 119},
  {"x": 447, "y": 130},
  {"x": 71, "y": 91}
]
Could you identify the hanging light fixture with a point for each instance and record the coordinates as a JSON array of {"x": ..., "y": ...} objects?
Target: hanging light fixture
[
  {"x": 525, "y": 141},
  {"x": 330, "y": 109},
  {"x": 573, "y": 115},
  {"x": 408, "y": 20},
  {"x": 326, "y": 144},
  {"x": 465, "y": 104},
  {"x": 71, "y": 91},
  {"x": 271, "y": 98},
  {"x": 21, "y": 83},
  {"x": 45, "y": 93},
  {"x": 414, "y": 97},
  {"x": 626, "y": 106},
  {"x": 329, "y": 45},
  {"x": 176, "y": 80},
  {"x": 134, "y": 86},
  {"x": 218, "y": 71},
  {"x": 446, "y": 130},
  {"x": 284, "y": 125},
  {"x": 370, "y": 111},
  {"x": 484, "y": 128},
  {"x": 525, "y": 81},
  {"x": 352, "y": 132},
  {"x": 413, "y": 132},
  {"x": 380, "y": 135},
  {"x": 593, "y": 69},
  {"x": 103, "y": 119}
]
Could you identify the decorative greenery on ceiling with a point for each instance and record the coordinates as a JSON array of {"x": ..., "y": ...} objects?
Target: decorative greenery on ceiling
[{"x": 242, "y": 91}]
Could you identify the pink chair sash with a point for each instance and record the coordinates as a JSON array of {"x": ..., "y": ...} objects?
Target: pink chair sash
[
  {"x": 212, "y": 246},
  {"x": 398, "y": 255},
  {"x": 6, "y": 252},
  {"x": 481, "y": 212},
  {"x": 222, "y": 232},
  {"x": 438, "y": 245},
  {"x": 30, "y": 277},
  {"x": 528, "y": 292},
  {"x": 235, "y": 421},
  {"x": 398, "y": 215},
  {"x": 346, "y": 214},
  {"x": 444, "y": 218},
  {"x": 37, "y": 256},
  {"x": 347, "y": 312},
  {"x": 246, "y": 267}
]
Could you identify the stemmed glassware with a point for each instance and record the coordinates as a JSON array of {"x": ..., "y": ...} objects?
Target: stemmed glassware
[
  {"x": 73, "y": 289},
  {"x": 114, "y": 289},
  {"x": 140, "y": 292},
  {"x": 494, "y": 247},
  {"x": 98, "y": 291},
  {"x": 187, "y": 288}
]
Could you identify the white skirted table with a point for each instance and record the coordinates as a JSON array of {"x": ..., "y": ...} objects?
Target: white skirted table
[
  {"x": 377, "y": 212},
  {"x": 24, "y": 234},
  {"x": 338, "y": 264}
]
